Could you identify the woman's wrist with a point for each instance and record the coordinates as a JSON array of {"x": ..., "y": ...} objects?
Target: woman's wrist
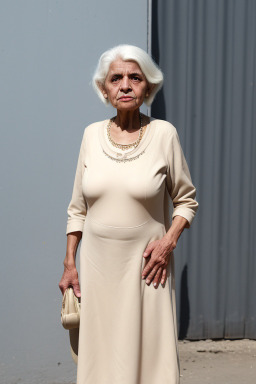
[
  {"x": 69, "y": 263},
  {"x": 179, "y": 223},
  {"x": 73, "y": 240}
]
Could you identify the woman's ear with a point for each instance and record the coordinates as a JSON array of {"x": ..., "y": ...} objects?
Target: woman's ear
[
  {"x": 150, "y": 89},
  {"x": 102, "y": 89}
]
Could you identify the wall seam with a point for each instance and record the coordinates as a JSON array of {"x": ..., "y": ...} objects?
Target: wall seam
[{"x": 149, "y": 36}]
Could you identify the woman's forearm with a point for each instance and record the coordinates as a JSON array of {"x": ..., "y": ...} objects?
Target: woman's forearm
[
  {"x": 179, "y": 223},
  {"x": 73, "y": 240},
  {"x": 70, "y": 274}
]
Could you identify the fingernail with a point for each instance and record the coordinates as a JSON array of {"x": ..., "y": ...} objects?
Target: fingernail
[
  {"x": 155, "y": 284},
  {"x": 145, "y": 254},
  {"x": 143, "y": 276},
  {"x": 147, "y": 281}
]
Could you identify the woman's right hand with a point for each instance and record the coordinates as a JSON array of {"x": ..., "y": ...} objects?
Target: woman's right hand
[
  {"x": 70, "y": 279},
  {"x": 70, "y": 275}
]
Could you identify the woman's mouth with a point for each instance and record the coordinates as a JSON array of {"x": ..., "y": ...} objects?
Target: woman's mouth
[{"x": 126, "y": 98}]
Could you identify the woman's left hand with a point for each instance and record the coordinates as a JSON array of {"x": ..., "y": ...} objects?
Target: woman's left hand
[
  {"x": 158, "y": 252},
  {"x": 156, "y": 268}
]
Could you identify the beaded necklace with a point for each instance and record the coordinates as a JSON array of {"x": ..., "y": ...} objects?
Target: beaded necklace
[{"x": 125, "y": 146}]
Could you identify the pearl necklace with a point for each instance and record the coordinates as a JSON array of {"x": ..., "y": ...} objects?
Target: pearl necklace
[{"x": 125, "y": 146}]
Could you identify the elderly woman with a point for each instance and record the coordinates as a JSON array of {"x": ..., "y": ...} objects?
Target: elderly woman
[{"x": 128, "y": 168}]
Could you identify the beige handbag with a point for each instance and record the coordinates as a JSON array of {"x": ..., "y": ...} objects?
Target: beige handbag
[{"x": 70, "y": 311}]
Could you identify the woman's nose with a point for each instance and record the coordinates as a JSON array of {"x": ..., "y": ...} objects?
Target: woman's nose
[{"x": 125, "y": 84}]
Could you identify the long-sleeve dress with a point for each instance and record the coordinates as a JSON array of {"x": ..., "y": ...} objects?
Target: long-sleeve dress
[{"x": 121, "y": 202}]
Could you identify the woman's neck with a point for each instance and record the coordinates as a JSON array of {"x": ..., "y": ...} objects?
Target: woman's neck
[{"x": 128, "y": 120}]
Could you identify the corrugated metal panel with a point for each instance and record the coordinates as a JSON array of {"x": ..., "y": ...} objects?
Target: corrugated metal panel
[{"x": 207, "y": 50}]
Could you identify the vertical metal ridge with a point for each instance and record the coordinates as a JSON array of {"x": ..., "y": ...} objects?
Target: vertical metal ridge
[{"x": 149, "y": 26}]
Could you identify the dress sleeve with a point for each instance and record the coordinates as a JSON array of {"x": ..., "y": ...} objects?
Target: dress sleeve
[
  {"x": 77, "y": 208},
  {"x": 179, "y": 183}
]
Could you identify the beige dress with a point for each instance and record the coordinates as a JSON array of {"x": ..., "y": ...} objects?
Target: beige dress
[{"x": 121, "y": 202}]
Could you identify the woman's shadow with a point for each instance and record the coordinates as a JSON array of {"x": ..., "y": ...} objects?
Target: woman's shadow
[{"x": 184, "y": 305}]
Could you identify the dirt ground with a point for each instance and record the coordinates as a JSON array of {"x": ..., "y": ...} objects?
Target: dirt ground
[
  {"x": 212, "y": 362},
  {"x": 217, "y": 362}
]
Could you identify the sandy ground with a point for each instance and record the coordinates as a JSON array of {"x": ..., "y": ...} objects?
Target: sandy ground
[{"x": 218, "y": 362}]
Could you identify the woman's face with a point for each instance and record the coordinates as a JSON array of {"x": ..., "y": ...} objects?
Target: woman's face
[{"x": 125, "y": 85}]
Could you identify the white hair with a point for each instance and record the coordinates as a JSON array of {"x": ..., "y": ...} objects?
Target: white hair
[{"x": 149, "y": 68}]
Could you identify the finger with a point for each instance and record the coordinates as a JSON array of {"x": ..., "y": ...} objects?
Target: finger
[
  {"x": 152, "y": 274},
  {"x": 164, "y": 275},
  {"x": 151, "y": 265},
  {"x": 146, "y": 261},
  {"x": 157, "y": 277},
  {"x": 148, "y": 268},
  {"x": 62, "y": 288},
  {"x": 149, "y": 249},
  {"x": 76, "y": 289}
]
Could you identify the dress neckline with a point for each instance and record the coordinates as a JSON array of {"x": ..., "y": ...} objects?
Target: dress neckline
[{"x": 118, "y": 154}]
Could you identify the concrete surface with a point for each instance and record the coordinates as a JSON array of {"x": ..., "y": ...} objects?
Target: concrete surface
[{"x": 218, "y": 362}]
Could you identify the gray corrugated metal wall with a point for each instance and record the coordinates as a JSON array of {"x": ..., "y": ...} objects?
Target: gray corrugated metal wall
[{"x": 207, "y": 51}]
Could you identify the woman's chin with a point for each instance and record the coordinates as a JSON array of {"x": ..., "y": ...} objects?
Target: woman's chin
[{"x": 127, "y": 106}]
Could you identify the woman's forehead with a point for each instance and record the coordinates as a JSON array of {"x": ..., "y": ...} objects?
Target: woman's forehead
[{"x": 121, "y": 66}]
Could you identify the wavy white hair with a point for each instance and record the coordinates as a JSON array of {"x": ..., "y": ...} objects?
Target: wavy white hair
[{"x": 150, "y": 69}]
